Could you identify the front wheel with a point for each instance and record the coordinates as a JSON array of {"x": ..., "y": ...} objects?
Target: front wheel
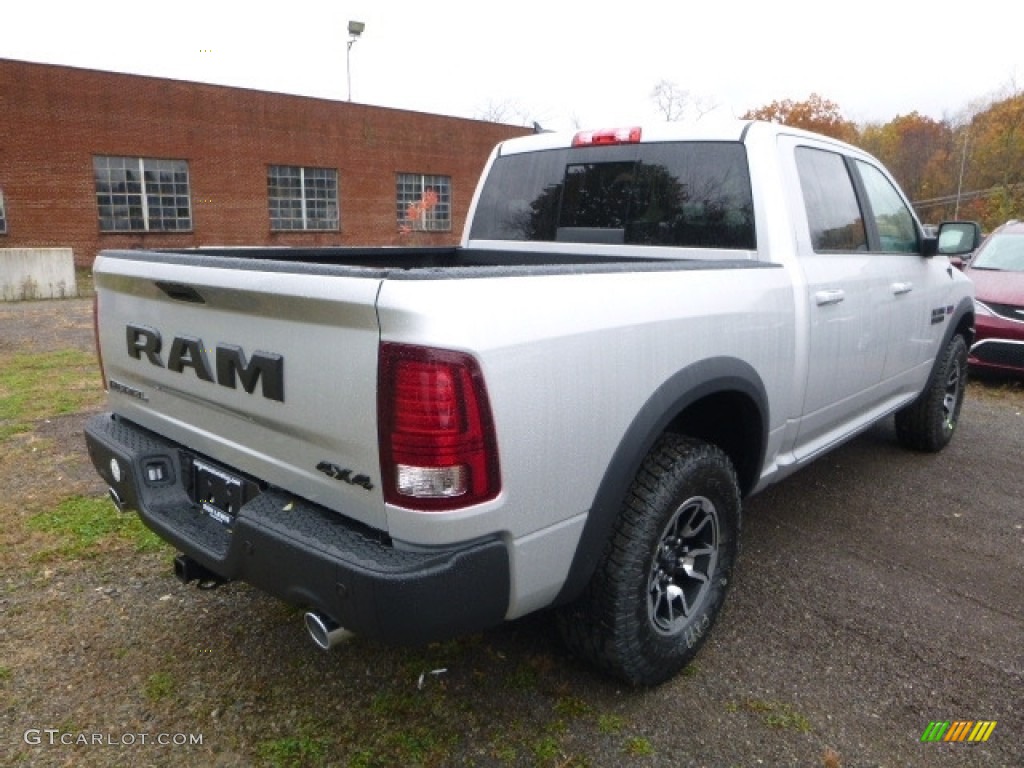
[
  {"x": 662, "y": 577},
  {"x": 928, "y": 423}
]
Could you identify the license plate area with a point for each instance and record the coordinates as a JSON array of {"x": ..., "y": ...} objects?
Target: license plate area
[{"x": 218, "y": 492}]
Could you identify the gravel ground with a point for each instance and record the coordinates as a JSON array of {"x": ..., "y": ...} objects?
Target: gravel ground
[{"x": 877, "y": 591}]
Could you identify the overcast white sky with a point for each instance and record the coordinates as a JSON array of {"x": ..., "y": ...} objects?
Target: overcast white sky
[{"x": 564, "y": 64}]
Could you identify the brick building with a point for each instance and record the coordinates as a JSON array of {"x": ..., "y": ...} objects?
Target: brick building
[{"x": 92, "y": 160}]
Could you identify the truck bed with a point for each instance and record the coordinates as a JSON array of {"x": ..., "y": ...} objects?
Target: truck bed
[{"x": 453, "y": 262}]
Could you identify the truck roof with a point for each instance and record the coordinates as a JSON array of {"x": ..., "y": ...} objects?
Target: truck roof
[{"x": 706, "y": 129}]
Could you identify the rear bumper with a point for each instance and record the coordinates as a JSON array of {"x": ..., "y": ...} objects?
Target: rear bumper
[{"x": 305, "y": 554}]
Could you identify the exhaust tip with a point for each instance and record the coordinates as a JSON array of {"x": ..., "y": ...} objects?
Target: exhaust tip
[{"x": 326, "y": 632}]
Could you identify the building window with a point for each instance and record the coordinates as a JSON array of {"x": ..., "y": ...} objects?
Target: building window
[
  {"x": 139, "y": 194},
  {"x": 302, "y": 198},
  {"x": 424, "y": 203},
  {"x": 3, "y": 215}
]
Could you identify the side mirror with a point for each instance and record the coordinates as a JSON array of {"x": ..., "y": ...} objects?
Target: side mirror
[{"x": 958, "y": 238}]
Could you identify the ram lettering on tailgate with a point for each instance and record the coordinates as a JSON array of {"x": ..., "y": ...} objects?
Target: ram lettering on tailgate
[{"x": 230, "y": 363}]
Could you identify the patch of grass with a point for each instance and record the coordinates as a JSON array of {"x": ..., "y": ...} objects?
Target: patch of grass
[
  {"x": 558, "y": 727},
  {"x": 6, "y": 430},
  {"x": 531, "y": 672},
  {"x": 84, "y": 281},
  {"x": 5, "y": 674},
  {"x": 159, "y": 686},
  {"x": 398, "y": 704},
  {"x": 774, "y": 714},
  {"x": 407, "y": 726},
  {"x": 83, "y": 524},
  {"x": 398, "y": 742},
  {"x": 572, "y": 707},
  {"x": 39, "y": 386},
  {"x": 639, "y": 747},
  {"x": 524, "y": 678},
  {"x": 295, "y": 751},
  {"x": 546, "y": 749},
  {"x": 996, "y": 388},
  {"x": 610, "y": 724},
  {"x": 504, "y": 752},
  {"x": 788, "y": 719},
  {"x": 416, "y": 745}
]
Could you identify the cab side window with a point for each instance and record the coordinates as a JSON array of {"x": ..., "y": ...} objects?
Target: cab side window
[
  {"x": 897, "y": 232},
  {"x": 833, "y": 213}
]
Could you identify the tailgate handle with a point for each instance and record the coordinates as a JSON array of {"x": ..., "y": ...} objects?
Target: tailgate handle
[{"x": 180, "y": 292}]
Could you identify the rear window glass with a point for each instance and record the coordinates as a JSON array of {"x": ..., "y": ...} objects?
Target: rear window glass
[{"x": 693, "y": 194}]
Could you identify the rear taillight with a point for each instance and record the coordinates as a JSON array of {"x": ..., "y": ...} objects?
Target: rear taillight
[
  {"x": 437, "y": 443},
  {"x": 96, "y": 335}
]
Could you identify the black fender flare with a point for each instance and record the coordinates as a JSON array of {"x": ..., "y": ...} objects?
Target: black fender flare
[
  {"x": 954, "y": 317},
  {"x": 687, "y": 386},
  {"x": 965, "y": 307}
]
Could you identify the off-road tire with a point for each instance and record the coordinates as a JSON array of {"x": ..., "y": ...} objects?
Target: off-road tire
[
  {"x": 662, "y": 578},
  {"x": 928, "y": 423}
]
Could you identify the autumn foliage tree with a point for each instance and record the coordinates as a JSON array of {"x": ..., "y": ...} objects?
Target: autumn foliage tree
[
  {"x": 969, "y": 170},
  {"x": 919, "y": 151},
  {"x": 995, "y": 160},
  {"x": 815, "y": 114}
]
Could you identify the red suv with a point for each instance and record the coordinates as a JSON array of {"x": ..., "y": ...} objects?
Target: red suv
[{"x": 997, "y": 270}]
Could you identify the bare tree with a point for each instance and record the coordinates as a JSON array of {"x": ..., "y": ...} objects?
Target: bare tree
[
  {"x": 703, "y": 106},
  {"x": 506, "y": 111},
  {"x": 675, "y": 102},
  {"x": 671, "y": 100}
]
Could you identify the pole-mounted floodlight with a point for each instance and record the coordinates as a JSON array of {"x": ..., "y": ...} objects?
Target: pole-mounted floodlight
[{"x": 355, "y": 29}]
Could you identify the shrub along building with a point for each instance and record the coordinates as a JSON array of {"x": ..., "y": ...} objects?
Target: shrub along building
[{"x": 92, "y": 160}]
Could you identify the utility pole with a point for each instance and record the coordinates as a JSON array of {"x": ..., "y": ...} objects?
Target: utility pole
[{"x": 963, "y": 163}]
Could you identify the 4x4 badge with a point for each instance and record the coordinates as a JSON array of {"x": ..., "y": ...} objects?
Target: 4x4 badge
[
  {"x": 345, "y": 475},
  {"x": 939, "y": 314}
]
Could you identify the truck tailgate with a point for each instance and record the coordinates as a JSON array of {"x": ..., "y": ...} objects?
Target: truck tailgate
[{"x": 257, "y": 369}]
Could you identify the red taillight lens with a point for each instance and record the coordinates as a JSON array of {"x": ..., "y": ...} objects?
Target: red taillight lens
[
  {"x": 607, "y": 136},
  {"x": 437, "y": 441}
]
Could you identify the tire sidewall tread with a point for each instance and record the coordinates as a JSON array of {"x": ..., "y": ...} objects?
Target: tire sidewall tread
[
  {"x": 609, "y": 623},
  {"x": 922, "y": 425}
]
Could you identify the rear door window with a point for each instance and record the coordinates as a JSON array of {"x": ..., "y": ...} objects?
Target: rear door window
[{"x": 833, "y": 213}]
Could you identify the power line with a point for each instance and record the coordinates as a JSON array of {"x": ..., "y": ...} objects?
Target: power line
[{"x": 935, "y": 202}]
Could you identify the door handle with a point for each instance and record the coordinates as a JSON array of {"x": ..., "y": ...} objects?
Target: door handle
[
  {"x": 898, "y": 289},
  {"x": 823, "y": 298}
]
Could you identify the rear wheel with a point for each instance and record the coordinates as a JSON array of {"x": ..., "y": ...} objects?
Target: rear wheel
[
  {"x": 663, "y": 575},
  {"x": 928, "y": 423}
]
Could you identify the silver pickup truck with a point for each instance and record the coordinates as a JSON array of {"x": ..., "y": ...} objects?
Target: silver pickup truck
[{"x": 640, "y": 328}]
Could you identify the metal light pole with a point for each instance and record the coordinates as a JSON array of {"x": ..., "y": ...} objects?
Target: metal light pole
[{"x": 355, "y": 29}]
